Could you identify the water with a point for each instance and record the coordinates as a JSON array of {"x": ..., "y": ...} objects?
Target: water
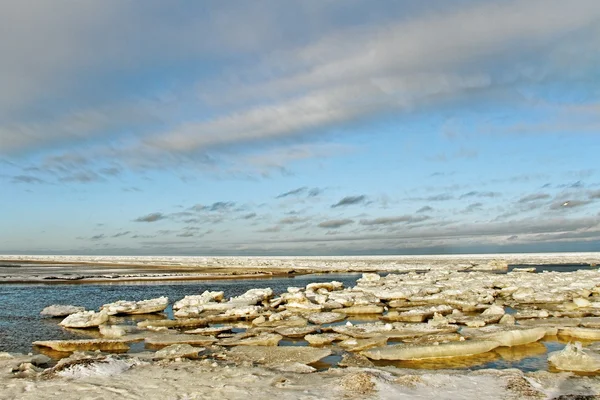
[
  {"x": 21, "y": 324},
  {"x": 554, "y": 268}
]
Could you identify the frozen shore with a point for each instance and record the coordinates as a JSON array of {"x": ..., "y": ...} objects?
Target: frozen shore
[
  {"x": 48, "y": 269},
  {"x": 131, "y": 378}
]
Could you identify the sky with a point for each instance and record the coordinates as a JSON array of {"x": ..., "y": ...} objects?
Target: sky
[{"x": 313, "y": 127}]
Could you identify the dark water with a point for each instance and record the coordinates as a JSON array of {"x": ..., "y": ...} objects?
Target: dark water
[{"x": 554, "y": 268}]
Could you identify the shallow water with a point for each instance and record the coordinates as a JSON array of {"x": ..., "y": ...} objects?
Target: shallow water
[{"x": 21, "y": 324}]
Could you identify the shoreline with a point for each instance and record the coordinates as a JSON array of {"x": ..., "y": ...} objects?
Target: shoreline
[{"x": 23, "y": 269}]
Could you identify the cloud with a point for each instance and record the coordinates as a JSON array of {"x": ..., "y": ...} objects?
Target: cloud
[
  {"x": 249, "y": 216},
  {"x": 440, "y": 197},
  {"x": 152, "y": 217},
  {"x": 222, "y": 206},
  {"x": 111, "y": 171},
  {"x": 335, "y": 223},
  {"x": 314, "y": 192},
  {"x": 132, "y": 189},
  {"x": 82, "y": 177},
  {"x": 594, "y": 195},
  {"x": 119, "y": 234},
  {"x": 569, "y": 204},
  {"x": 309, "y": 192},
  {"x": 480, "y": 194},
  {"x": 272, "y": 229},
  {"x": 186, "y": 233},
  {"x": 473, "y": 207},
  {"x": 301, "y": 85},
  {"x": 534, "y": 197},
  {"x": 293, "y": 192},
  {"x": 26, "y": 179},
  {"x": 350, "y": 200},
  {"x": 424, "y": 209},
  {"x": 292, "y": 220},
  {"x": 407, "y": 219}
]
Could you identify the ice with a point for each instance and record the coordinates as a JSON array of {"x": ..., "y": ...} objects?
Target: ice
[
  {"x": 178, "y": 351},
  {"x": 580, "y": 333},
  {"x": 574, "y": 358},
  {"x": 366, "y": 309},
  {"x": 198, "y": 300},
  {"x": 324, "y": 338},
  {"x": 136, "y": 307},
  {"x": 85, "y": 319},
  {"x": 509, "y": 335},
  {"x": 420, "y": 352},
  {"x": 158, "y": 340},
  {"x": 354, "y": 344},
  {"x": 329, "y": 286},
  {"x": 418, "y": 314},
  {"x": 167, "y": 323},
  {"x": 58, "y": 310},
  {"x": 264, "y": 339},
  {"x": 213, "y": 330},
  {"x": 296, "y": 332},
  {"x": 325, "y": 318},
  {"x": 84, "y": 345},
  {"x": 112, "y": 331},
  {"x": 103, "y": 367},
  {"x": 277, "y": 355}
]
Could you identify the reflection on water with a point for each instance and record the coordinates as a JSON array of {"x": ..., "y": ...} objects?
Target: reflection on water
[
  {"x": 441, "y": 363},
  {"x": 517, "y": 353}
]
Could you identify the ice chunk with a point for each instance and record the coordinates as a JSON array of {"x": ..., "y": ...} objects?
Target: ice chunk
[
  {"x": 198, "y": 300},
  {"x": 57, "y": 310},
  {"x": 85, "y": 319},
  {"x": 170, "y": 339},
  {"x": 296, "y": 332},
  {"x": 112, "y": 331},
  {"x": 580, "y": 333},
  {"x": 420, "y": 352},
  {"x": 324, "y": 338},
  {"x": 325, "y": 317},
  {"x": 368, "y": 309},
  {"x": 330, "y": 286},
  {"x": 136, "y": 307},
  {"x": 508, "y": 335},
  {"x": 265, "y": 339},
  {"x": 494, "y": 310},
  {"x": 582, "y": 303},
  {"x": 169, "y": 323},
  {"x": 277, "y": 355},
  {"x": 178, "y": 351},
  {"x": 84, "y": 345},
  {"x": 211, "y": 331},
  {"x": 574, "y": 358},
  {"x": 354, "y": 344}
]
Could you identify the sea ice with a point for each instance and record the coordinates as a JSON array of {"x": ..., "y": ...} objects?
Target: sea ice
[
  {"x": 85, "y": 319},
  {"x": 58, "y": 310}
]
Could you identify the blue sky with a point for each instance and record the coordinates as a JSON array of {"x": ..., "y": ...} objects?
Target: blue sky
[{"x": 301, "y": 127}]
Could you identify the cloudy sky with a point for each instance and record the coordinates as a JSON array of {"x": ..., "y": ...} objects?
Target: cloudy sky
[{"x": 299, "y": 127}]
